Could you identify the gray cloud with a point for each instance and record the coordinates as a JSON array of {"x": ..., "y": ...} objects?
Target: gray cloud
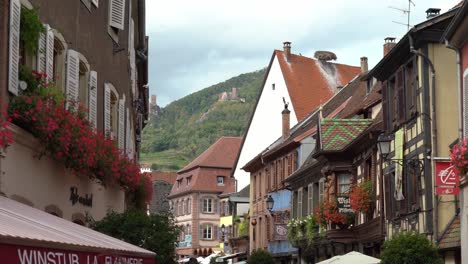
[{"x": 194, "y": 44}]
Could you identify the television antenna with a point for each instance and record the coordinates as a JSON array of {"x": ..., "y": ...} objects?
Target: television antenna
[{"x": 406, "y": 12}]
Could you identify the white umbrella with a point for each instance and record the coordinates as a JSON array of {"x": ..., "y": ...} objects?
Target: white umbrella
[
  {"x": 208, "y": 259},
  {"x": 352, "y": 257}
]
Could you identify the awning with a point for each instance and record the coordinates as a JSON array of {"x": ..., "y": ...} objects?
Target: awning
[
  {"x": 30, "y": 236},
  {"x": 230, "y": 256},
  {"x": 352, "y": 257}
]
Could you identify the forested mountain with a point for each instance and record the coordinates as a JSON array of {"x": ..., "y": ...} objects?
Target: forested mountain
[{"x": 186, "y": 127}]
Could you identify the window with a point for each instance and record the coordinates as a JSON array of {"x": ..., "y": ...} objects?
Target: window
[
  {"x": 189, "y": 206},
  {"x": 83, "y": 83},
  {"x": 254, "y": 186},
  {"x": 321, "y": 189},
  {"x": 344, "y": 183},
  {"x": 207, "y": 231},
  {"x": 110, "y": 107},
  {"x": 310, "y": 206},
  {"x": 299, "y": 203},
  {"x": 220, "y": 180},
  {"x": 113, "y": 116},
  {"x": 227, "y": 208},
  {"x": 59, "y": 60},
  {"x": 180, "y": 212},
  {"x": 189, "y": 179},
  {"x": 188, "y": 229},
  {"x": 184, "y": 207},
  {"x": 207, "y": 205},
  {"x": 116, "y": 18},
  {"x": 179, "y": 183},
  {"x": 273, "y": 86}
]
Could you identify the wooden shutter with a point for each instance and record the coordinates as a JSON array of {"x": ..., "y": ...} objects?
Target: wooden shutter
[
  {"x": 385, "y": 106},
  {"x": 268, "y": 228},
  {"x": 400, "y": 96},
  {"x": 215, "y": 235},
  {"x": 72, "y": 75},
  {"x": 121, "y": 124},
  {"x": 201, "y": 231},
  {"x": 127, "y": 134},
  {"x": 117, "y": 13},
  {"x": 309, "y": 199},
  {"x": 215, "y": 205},
  {"x": 201, "y": 205},
  {"x": 107, "y": 108},
  {"x": 15, "y": 17},
  {"x": 465, "y": 104},
  {"x": 49, "y": 69},
  {"x": 93, "y": 98},
  {"x": 95, "y": 2},
  {"x": 299, "y": 203},
  {"x": 131, "y": 34},
  {"x": 41, "y": 53}
]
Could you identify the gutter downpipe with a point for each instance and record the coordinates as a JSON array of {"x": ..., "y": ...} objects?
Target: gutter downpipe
[
  {"x": 460, "y": 110},
  {"x": 433, "y": 145}
]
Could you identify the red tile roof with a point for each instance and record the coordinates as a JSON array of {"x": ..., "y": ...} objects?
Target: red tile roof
[
  {"x": 217, "y": 160},
  {"x": 222, "y": 154},
  {"x": 311, "y": 82},
  {"x": 451, "y": 236},
  {"x": 169, "y": 177}
]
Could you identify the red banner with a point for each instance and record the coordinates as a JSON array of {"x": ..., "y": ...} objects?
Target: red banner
[
  {"x": 13, "y": 254},
  {"x": 447, "y": 179}
]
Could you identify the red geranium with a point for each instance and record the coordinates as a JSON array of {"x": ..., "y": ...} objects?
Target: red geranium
[{"x": 361, "y": 196}]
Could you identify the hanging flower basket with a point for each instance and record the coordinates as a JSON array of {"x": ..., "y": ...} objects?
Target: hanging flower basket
[{"x": 459, "y": 156}]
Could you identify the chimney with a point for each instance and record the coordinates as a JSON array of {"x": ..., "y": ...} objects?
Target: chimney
[
  {"x": 432, "y": 12},
  {"x": 364, "y": 65},
  {"x": 153, "y": 99},
  {"x": 388, "y": 45},
  {"x": 287, "y": 50},
  {"x": 285, "y": 114}
]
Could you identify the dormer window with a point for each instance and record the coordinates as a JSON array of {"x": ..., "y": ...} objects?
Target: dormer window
[
  {"x": 188, "y": 180},
  {"x": 179, "y": 183},
  {"x": 220, "y": 180}
]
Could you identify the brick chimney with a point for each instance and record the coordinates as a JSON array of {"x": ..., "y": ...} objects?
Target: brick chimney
[
  {"x": 388, "y": 45},
  {"x": 286, "y": 124},
  {"x": 364, "y": 65},
  {"x": 287, "y": 50}
]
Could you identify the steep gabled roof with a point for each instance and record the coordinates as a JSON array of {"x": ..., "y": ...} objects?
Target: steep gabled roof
[
  {"x": 312, "y": 82},
  {"x": 221, "y": 154},
  {"x": 335, "y": 134}
]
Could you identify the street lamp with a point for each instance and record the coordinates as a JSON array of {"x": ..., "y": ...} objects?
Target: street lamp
[
  {"x": 269, "y": 203},
  {"x": 383, "y": 144}
]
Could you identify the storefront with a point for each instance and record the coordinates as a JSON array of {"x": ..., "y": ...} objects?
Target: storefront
[{"x": 31, "y": 236}]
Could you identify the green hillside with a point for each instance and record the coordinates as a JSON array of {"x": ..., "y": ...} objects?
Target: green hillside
[{"x": 188, "y": 126}]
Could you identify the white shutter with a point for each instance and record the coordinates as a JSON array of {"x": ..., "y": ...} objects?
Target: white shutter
[
  {"x": 49, "y": 68},
  {"x": 72, "y": 75},
  {"x": 41, "y": 53},
  {"x": 121, "y": 124},
  {"x": 93, "y": 98},
  {"x": 127, "y": 134},
  {"x": 96, "y": 2},
  {"x": 107, "y": 108},
  {"x": 15, "y": 15},
  {"x": 117, "y": 13},
  {"x": 309, "y": 199},
  {"x": 465, "y": 103},
  {"x": 299, "y": 203}
]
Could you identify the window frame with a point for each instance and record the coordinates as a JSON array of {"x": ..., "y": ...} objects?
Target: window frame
[
  {"x": 208, "y": 204},
  {"x": 207, "y": 232},
  {"x": 222, "y": 180}
]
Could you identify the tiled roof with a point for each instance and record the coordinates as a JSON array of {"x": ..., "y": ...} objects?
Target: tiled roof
[
  {"x": 168, "y": 177},
  {"x": 361, "y": 100},
  {"x": 451, "y": 236},
  {"x": 222, "y": 154},
  {"x": 330, "y": 109},
  {"x": 217, "y": 160},
  {"x": 311, "y": 82},
  {"x": 335, "y": 134}
]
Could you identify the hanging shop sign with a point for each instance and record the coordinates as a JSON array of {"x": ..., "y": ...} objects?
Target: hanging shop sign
[
  {"x": 280, "y": 232},
  {"x": 344, "y": 204},
  {"x": 447, "y": 178}
]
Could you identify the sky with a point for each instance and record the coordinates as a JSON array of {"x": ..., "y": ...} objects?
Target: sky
[{"x": 195, "y": 44}]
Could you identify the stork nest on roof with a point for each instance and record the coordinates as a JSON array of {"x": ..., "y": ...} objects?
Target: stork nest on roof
[{"x": 324, "y": 55}]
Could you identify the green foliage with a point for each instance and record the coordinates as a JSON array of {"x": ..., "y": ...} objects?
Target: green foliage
[
  {"x": 30, "y": 29},
  {"x": 303, "y": 230},
  {"x": 191, "y": 124},
  {"x": 261, "y": 257},
  {"x": 408, "y": 248},
  {"x": 157, "y": 233},
  {"x": 243, "y": 228}
]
